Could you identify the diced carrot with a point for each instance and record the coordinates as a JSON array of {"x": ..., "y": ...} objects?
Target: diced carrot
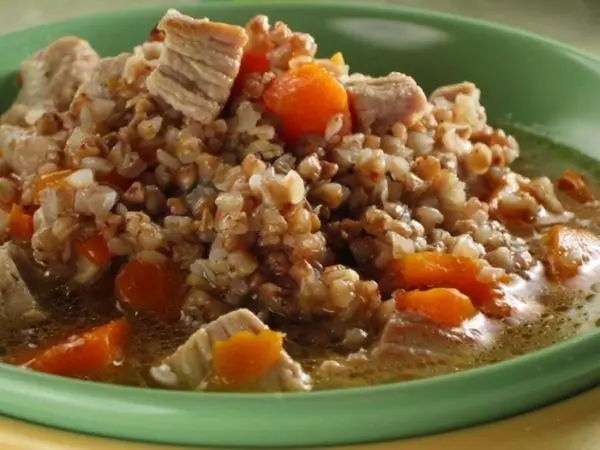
[
  {"x": 305, "y": 99},
  {"x": 565, "y": 249},
  {"x": 94, "y": 249},
  {"x": 153, "y": 288},
  {"x": 432, "y": 269},
  {"x": 52, "y": 180},
  {"x": 85, "y": 355},
  {"x": 444, "y": 306},
  {"x": 24, "y": 353},
  {"x": 246, "y": 356},
  {"x": 115, "y": 180},
  {"x": 253, "y": 61},
  {"x": 575, "y": 186},
  {"x": 20, "y": 224}
]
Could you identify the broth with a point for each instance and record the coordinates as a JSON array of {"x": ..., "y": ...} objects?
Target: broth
[{"x": 566, "y": 311}]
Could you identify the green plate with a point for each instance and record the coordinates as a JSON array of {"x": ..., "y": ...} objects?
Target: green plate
[{"x": 531, "y": 82}]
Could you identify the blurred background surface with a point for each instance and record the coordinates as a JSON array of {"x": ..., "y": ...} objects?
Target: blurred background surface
[{"x": 576, "y": 22}]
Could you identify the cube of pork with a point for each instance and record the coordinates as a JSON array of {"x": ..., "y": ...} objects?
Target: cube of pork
[
  {"x": 412, "y": 337},
  {"x": 412, "y": 341},
  {"x": 25, "y": 150},
  {"x": 17, "y": 305},
  {"x": 190, "y": 367},
  {"x": 197, "y": 68},
  {"x": 96, "y": 92},
  {"x": 50, "y": 78},
  {"x": 386, "y": 100},
  {"x": 107, "y": 69}
]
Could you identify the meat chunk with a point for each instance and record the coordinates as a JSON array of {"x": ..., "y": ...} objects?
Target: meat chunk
[
  {"x": 198, "y": 65},
  {"x": 101, "y": 82},
  {"x": 190, "y": 367},
  {"x": 386, "y": 100},
  {"x": 407, "y": 336},
  {"x": 50, "y": 78},
  {"x": 25, "y": 150},
  {"x": 407, "y": 342},
  {"x": 17, "y": 305}
]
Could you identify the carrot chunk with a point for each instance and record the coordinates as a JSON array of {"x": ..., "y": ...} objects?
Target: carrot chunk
[
  {"x": 253, "y": 61},
  {"x": 52, "y": 180},
  {"x": 432, "y": 269},
  {"x": 20, "y": 224},
  {"x": 575, "y": 186},
  {"x": 85, "y": 355},
  {"x": 151, "y": 288},
  {"x": 94, "y": 249},
  {"x": 246, "y": 356},
  {"x": 444, "y": 306},
  {"x": 565, "y": 249},
  {"x": 305, "y": 99}
]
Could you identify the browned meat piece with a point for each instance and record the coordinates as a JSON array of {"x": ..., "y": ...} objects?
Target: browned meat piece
[
  {"x": 198, "y": 66},
  {"x": 17, "y": 305},
  {"x": 386, "y": 100},
  {"x": 101, "y": 83},
  {"x": 190, "y": 367},
  {"x": 24, "y": 150},
  {"x": 50, "y": 78}
]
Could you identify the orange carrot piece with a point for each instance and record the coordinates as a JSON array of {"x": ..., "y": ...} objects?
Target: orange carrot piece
[
  {"x": 575, "y": 186},
  {"x": 246, "y": 356},
  {"x": 151, "y": 288},
  {"x": 24, "y": 353},
  {"x": 305, "y": 99},
  {"x": 565, "y": 249},
  {"x": 253, "y": 61},
  {"x": 444, "y": 306},
  {"x": 432, "y": 269},
  {"x": 94, "y": 249},
  {"x": 85, "y": 355},
  {"x": 20, "y": 224},
  {"x": 52, "y": 180}
]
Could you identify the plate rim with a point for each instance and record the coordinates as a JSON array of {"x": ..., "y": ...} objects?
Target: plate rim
[{"x": 79, "y": 391}]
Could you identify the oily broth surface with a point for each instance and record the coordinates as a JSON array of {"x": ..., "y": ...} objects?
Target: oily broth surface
[{"x": 567, "y": 311}]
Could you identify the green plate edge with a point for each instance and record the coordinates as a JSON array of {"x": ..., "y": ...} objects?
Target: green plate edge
[{"x": 359, "y": 414}]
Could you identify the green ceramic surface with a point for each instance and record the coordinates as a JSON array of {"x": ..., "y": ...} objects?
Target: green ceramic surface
[{"x": 528, "y": 81}]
